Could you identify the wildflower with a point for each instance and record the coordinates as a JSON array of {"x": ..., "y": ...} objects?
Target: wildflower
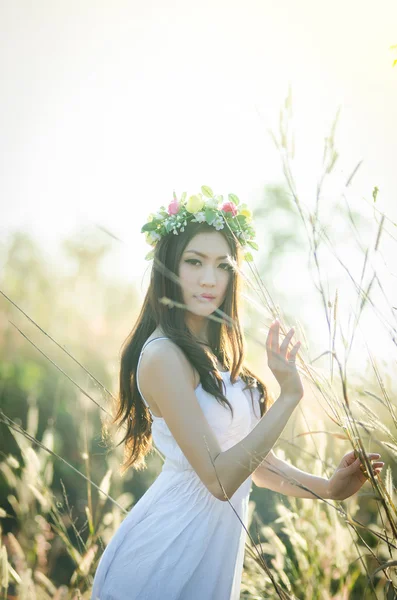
[
  {"x": 229, "y": 207},
  {"x": 194, "y": 204},
  {"x": 173, "y": 208}
]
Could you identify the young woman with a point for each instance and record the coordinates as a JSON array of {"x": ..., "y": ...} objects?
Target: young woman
[{"x": 184, "y": 383}]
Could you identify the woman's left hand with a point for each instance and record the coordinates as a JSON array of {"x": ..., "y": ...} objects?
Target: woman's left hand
[{"x": 349, "y": 478}]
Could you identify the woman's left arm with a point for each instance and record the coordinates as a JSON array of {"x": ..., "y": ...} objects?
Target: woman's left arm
[{"x": 277, "y": 475}]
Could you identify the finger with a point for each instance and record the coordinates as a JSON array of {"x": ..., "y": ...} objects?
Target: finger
[
  {"x": 270, "y": 336},
  {"x": 275, "y": 334},
  {"x": 293, "y": 352},
  {"x": 349, "y": 458},
  {"x": 375, "y": 465},
  {"x": 353, "y": 467},
  {"x": 370, "y": 455},
  {"x": 350, "y": 454},
  {"x": 285, "y": 342},
  {"x": 269, "y": 339},
  {"x": 375, "y": 470}
]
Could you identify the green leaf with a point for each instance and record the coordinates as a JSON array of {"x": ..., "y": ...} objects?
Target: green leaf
[
  {"x": 151, "y": 226},
  {"x": 207, "y": 191},
  {"x": 149, "y": 255},
  {"x": 241, "y": 219},
  {"x": 183, "y": 197},
  {"x": 253, "y": 245},
  {"x": 234, "y": 198},
  {"x": 248, "y": 257},
  {"x": 389, "y": 481},
  {"x": 209, "y": 215},
  {"x": 168, "y": 226}
]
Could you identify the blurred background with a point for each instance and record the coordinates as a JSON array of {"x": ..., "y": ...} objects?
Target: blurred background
[{"x": 106, "y": 109}]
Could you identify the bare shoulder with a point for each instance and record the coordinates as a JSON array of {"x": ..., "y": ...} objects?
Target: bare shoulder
[{"x": 164, "y": 352}]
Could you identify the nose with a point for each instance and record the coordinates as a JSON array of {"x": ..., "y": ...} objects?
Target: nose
[{"x": 208, "y": 276}]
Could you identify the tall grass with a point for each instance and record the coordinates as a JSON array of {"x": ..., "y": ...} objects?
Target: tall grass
[{"x": 359, "y": 559}]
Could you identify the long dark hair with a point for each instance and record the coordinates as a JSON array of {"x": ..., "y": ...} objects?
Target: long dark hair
[{"x": 225, "y": 340}]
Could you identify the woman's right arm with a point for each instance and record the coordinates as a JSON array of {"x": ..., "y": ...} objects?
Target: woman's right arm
[{"x": 166, "y": 376}]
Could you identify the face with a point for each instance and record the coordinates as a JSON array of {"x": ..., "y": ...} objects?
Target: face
[{"x": 204, "y": 271}]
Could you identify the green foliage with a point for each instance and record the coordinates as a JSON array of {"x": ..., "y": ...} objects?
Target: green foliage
[
  {"x": 207, "y": 191},
  {"x": 209, "y": 215},
  {"x": 308, "y": 548},
  {"x": 234, "y": 198}
]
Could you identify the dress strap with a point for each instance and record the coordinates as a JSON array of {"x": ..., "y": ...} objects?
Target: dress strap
[{"x": 139, "y": 360}]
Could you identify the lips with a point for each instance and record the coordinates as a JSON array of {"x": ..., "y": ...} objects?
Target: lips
[{"x": 207, "y": 296}]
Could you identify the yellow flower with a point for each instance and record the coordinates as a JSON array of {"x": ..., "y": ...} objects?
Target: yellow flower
[
  {"x": 245, "y": 212},
  {"x": 152, "y": 237},
  {"x": 150, "y": 217},
  {"x": 194, "y": 204}
]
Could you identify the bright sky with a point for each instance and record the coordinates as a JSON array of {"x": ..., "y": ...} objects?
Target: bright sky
[{"x": 106, "y": 107}]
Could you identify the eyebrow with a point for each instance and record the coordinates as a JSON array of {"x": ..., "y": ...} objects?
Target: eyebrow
[{"x": 204, "y": 255}]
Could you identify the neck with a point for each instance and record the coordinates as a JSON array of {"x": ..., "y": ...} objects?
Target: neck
[{"x": 198, "y": 327}]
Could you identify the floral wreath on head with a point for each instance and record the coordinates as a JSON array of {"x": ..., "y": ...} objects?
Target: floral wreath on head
[{"x": 200, "y": 208}]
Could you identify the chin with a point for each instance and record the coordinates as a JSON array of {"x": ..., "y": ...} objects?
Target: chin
[
  {"x": 201, "y": 312},
  {"x": 202, "y": 309}
]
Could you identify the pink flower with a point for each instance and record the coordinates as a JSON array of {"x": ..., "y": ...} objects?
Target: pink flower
[
  {"x": 173, "y": 208},
  {"x": 229, "y": 207}
]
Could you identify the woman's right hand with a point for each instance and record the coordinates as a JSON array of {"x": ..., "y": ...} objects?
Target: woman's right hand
[{"x": 282, "y": 366}]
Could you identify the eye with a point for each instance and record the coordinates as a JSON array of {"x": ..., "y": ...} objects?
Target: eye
[
  {"x": 192, "y": 260},
  {"x": 226, "y": 267}
]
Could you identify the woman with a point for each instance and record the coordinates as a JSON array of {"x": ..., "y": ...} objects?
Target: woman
[{"x": 184, "y": 382}]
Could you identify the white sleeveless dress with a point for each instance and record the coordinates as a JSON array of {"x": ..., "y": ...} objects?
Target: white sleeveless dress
[{"x": 179, "y": 542}]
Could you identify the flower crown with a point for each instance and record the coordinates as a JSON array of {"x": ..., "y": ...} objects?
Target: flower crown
[{"x": 199, "y": 209}]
